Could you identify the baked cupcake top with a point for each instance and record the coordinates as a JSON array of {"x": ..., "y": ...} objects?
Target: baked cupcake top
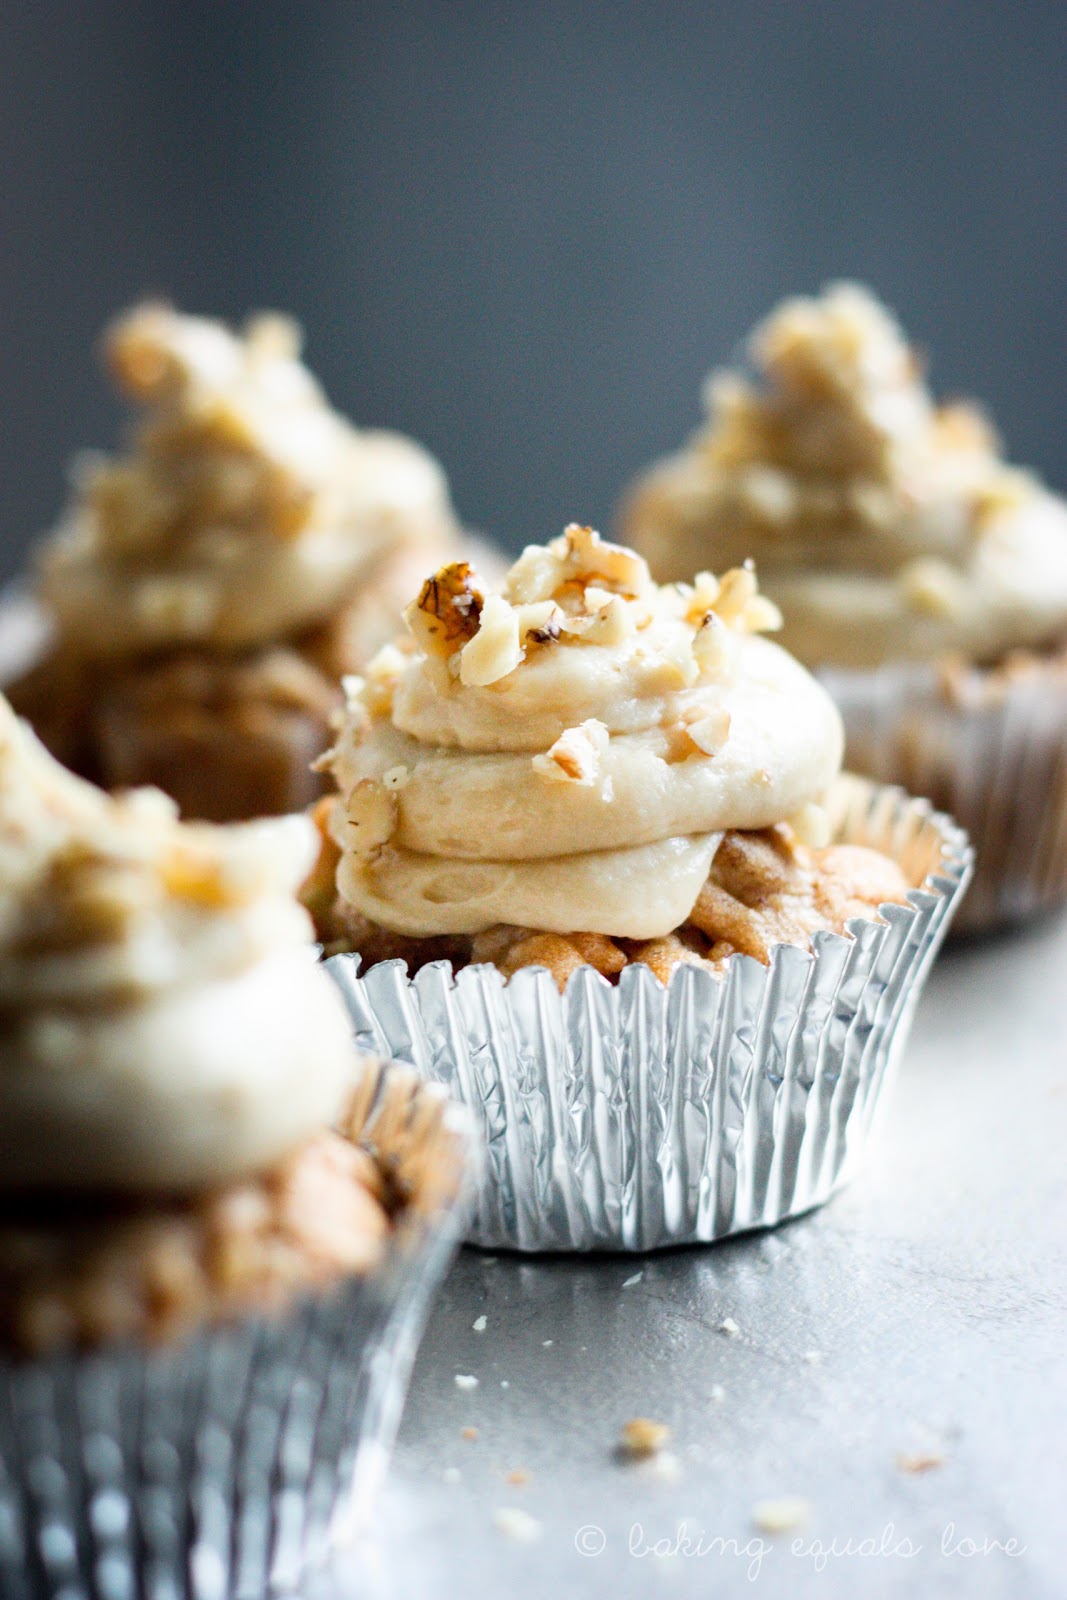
[
  {"x": 162, "y": 1022},
  {"x": 247, "y": 508},
  {"x": 567, "y": 753},
  {"x": 886, "y": 526}
]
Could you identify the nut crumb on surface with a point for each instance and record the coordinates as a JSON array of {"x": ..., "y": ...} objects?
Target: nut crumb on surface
[
  {"x": 718, "y": 1392},
  {"x": 516, "y": 1524},
  {"x": 451, "y": 1475},
  {"x": 629, "y": 1283},
  {"x": 479, "y": 1324},
  {"x": 782, "y": 1515},
  {"x": 641, "y": 1438},
  {"x": 813, "y": 1357},
  {"x": 731, "y": 1328},
  {"x": 918, "y": 1461}
]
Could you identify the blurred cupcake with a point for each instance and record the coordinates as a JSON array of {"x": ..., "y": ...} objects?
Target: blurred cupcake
[
  {"x": 921, "y": 575},
  {"x": 208, "y": 588},
  {"x": 218, "y": 1227},
  {"x": 623, "y": 784}
]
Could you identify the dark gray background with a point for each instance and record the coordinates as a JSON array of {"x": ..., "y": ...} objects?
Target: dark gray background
[{"x": 523, "y": 232}]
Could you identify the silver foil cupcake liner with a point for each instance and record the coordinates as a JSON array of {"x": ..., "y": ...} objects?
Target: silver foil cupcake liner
[
  {"x": 229, "y": 1465},
  {"x": 634, "y": 1116},
  {"x": 989, "y": 747}
]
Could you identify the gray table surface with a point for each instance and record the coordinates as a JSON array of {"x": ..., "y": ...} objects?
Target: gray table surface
[{"x": 921, "y": 1313}]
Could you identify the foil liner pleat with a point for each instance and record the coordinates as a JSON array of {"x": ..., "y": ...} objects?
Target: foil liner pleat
[
  {"x": 633, "y": 1116},
  {"x": 992, "y": 751},
  {"x": 228, "y": 1466}
]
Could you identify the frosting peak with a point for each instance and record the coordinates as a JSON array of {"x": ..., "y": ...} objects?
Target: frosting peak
[
  {"x": 247, "y": 508},
  {"x": 885, "y": 525},
  {"x": 564, "y": 754}
]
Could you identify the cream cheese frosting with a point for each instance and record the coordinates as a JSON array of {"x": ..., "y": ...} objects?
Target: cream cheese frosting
[
  {"x": 566, "y": 754},
  {"x": 162, "y": 1022},
  {"x": 885, "y": 526},
  {"x": 247, "y": 509}
]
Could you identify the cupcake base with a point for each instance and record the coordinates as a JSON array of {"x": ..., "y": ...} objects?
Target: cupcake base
[
  {"x": 637, "y": 1115},
  {"x": 987, "y": 745},
  {"x": 228, "y": 1465}
]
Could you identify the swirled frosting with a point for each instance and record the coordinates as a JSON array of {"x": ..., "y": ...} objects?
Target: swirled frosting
[
  {"x": 885, "y": 526},
  {"x": 566, "y": 754},
  {"x": 248, "y": 509},
  {"x": 162, "y": 1022}
]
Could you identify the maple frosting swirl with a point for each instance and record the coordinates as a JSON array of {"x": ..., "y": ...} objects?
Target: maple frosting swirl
[
  {"x": 566, "y": 754},
  {"x": 887, "y": 527},
  {"x": 247, "y": 508},
  {"x": 163, "y": 1025}
]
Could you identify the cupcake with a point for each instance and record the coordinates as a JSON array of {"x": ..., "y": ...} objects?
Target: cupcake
[
  {"x": 633, "y": 788},
  {"x": 207, "y": 589},
  {"x": 923, "y": 577},
  {"x": 218, "y": 1226}
]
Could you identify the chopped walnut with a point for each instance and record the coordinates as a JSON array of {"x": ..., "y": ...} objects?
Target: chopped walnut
[
  {"x": 576, "y": 755},
  {"x": 581, "y": 558},
  {"x": 641, "y": 1438},
  {"x": 708, "y": 732},
  {"x": 378, "y": 685},
  {"x": 494, "y": 651},
  {"x": 448, "y": 610},
  {"x": 371, "y": 816},
  {"x": 740, "y": 605}
]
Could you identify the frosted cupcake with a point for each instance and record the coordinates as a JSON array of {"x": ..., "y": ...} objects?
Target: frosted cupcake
[
  {"x": 625, "y": 784},
  {"x": 193, "y": 1156},
  {"x": 924, "y": 577},
  {"x": 208, "y": 588}
]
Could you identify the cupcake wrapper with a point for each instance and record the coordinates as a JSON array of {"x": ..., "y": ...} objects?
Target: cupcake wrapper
[
  {"x": 635, "y": 1116},
  {"x": 228, "y": 1465},
  {"x": 997, "y": 763}
]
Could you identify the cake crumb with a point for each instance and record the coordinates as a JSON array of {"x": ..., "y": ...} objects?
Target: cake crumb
[
  {"x": 641, "y": 1438},
  {"x": 916, "y": 1461},
  {"x": 466, "y": 1381},
  {"x": 518, "y": 1476},
  {"x": 469, "y": 1434},
  {"x": 479, "y": 1323},
  {"x": 729, "y": 1327},
  {"x": 635, "y": 1279},
  {"x": 516, "y": 1524},
  {"x": 781, "y": 1516}
]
